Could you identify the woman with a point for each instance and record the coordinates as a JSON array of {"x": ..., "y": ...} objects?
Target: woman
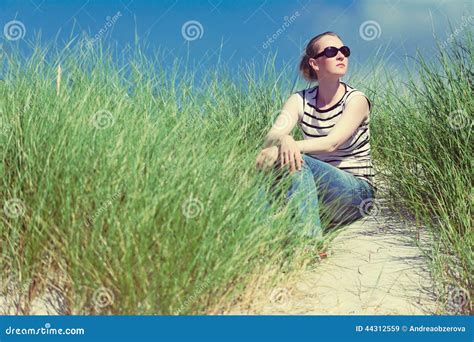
[{"x": 332, "y": 167}]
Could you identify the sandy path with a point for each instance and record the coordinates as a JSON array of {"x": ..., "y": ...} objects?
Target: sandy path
[{"x": 374, "y": 266}]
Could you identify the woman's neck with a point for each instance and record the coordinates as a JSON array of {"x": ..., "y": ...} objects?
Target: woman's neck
[{"x": 328, "y": 92}]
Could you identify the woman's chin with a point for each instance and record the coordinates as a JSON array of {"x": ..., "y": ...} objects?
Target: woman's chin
[
  {"x": 332, "y": 75},
  {"x": 340, "y": 72}
]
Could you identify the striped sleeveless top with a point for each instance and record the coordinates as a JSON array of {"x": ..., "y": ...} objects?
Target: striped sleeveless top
[{"x": 354, "y": 155}]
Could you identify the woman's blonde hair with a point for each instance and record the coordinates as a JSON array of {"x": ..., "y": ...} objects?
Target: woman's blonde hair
[{"x": 311, "y": 49}]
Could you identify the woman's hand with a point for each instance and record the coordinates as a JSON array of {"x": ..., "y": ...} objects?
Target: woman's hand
[
  {"x": 290, "y": 153},
  {"x": 267, "y": 158}
]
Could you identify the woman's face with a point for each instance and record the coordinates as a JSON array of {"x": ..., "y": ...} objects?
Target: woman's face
[{"x": 329, "y": 67}]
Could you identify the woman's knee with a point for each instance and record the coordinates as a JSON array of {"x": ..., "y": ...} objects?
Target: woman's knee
[{"x": 306, "y": 157}]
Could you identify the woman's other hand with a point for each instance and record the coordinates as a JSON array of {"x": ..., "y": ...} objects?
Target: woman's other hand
[
  {"x": 267, "y": 158},
  {"x": 290, "y": 153}
]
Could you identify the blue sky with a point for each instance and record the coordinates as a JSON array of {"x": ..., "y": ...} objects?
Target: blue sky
[{"x": 241, "y": 29}]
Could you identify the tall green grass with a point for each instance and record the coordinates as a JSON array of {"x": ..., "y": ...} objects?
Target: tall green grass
[
  {"x": 133, "y": 190},
  {"x": 422, "y": 138}
]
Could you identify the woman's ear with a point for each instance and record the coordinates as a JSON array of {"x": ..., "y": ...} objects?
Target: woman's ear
[{"x": 312, "y": 62}]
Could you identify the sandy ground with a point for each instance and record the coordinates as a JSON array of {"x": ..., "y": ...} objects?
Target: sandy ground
[
  {"x": 375, "y": 266},
  {"x": 15, "y": 301},
  {"x": 369, "y": 270}
]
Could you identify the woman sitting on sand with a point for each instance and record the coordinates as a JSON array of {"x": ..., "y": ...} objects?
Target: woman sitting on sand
[{"x": 332, "y": 166}]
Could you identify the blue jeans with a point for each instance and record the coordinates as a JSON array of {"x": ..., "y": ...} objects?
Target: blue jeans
[{"x": 321, "y": 191}]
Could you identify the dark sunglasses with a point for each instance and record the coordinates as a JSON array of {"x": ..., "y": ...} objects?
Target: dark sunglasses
[{"x": 332, "y": 51}]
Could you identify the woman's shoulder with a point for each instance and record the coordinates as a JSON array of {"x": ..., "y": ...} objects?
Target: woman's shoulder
[
  {"x": 352, "y": 92},
  {"x": 305, "y": 94},
  {"x": 301, "y": 97},
  {"x": 306, "y": 91}
]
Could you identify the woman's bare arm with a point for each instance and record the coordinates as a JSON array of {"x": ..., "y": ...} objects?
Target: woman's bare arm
[{"x": 285, "y": 122}]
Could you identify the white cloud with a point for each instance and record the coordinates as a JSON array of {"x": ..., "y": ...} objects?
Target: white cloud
[{"x": 414, "y": 18}]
